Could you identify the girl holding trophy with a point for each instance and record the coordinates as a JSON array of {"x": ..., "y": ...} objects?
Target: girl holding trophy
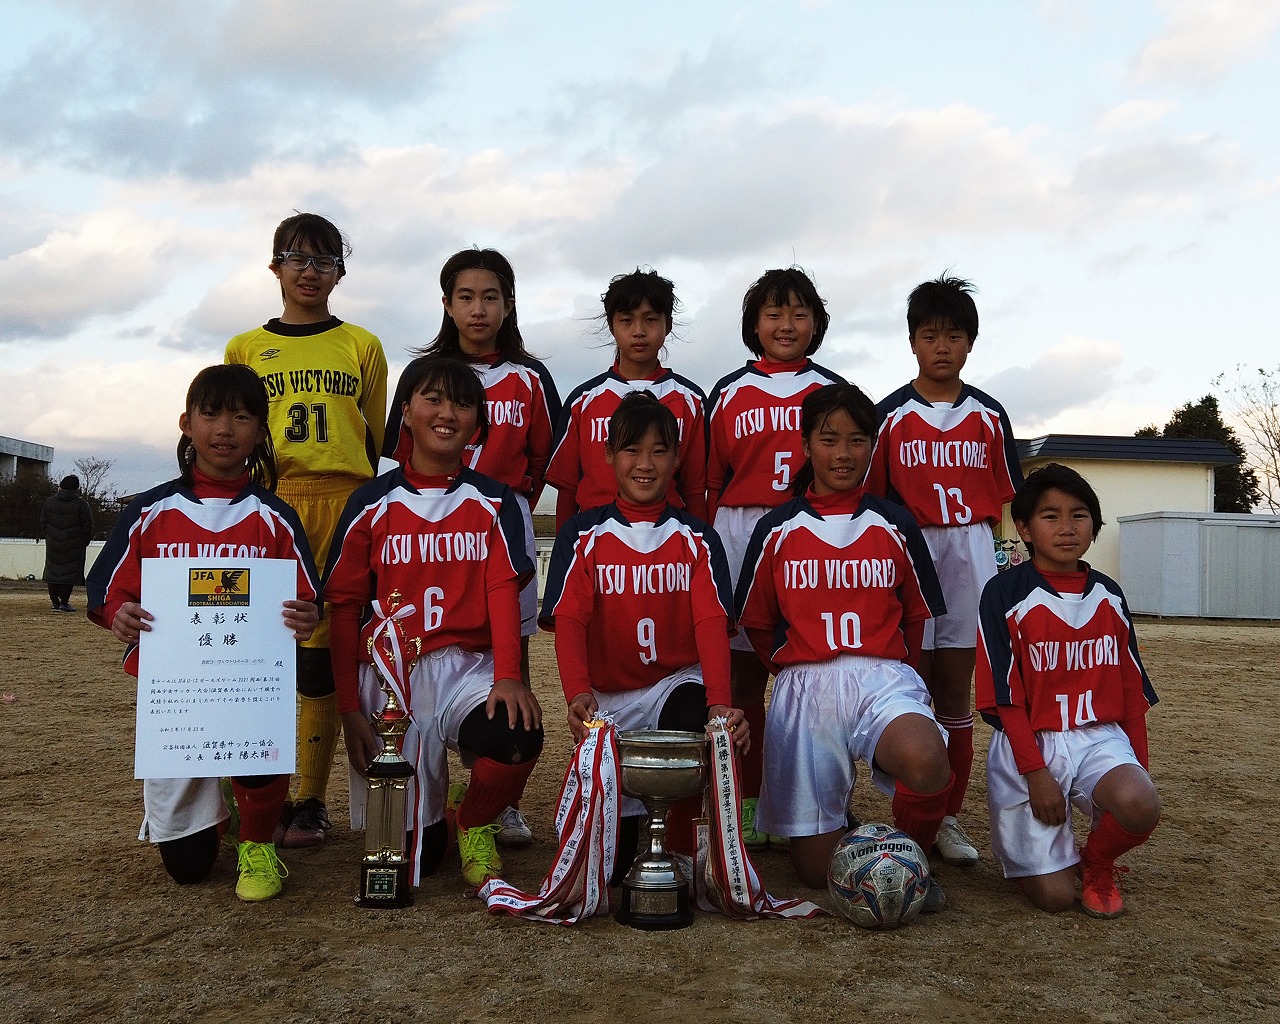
[
  {"x": 639, "y": 599},
  {"x": 441, "y": 549},
  {"x": 224, "y": 496}
]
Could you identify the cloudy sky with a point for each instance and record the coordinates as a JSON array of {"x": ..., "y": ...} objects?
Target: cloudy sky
[{"x": 1107, "y": 174}]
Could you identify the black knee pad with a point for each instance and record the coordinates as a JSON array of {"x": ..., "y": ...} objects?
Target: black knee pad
[
  {"x": 315, "y": 672},
  {"x": 628, "y": 840},
  {"x": 190, "y": 859},
  {"x": 495, "y": 739},
  {"x": 435, "y": 843},
  {"x": 685, "y": 709}
]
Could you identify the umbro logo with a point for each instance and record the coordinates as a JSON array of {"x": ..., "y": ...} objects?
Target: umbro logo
[{"x": 268, "y": 353}]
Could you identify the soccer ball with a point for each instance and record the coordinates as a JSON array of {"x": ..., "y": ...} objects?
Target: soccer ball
[{"x": 878, "y": 877}]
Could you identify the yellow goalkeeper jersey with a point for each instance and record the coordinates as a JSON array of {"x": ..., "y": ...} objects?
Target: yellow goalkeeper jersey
[{"x": 327, "y": 384}]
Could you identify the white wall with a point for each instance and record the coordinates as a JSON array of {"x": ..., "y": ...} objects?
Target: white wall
[
  {"x": 1216, "y": 565},
  {"x": 21, "y": 558},
  {"x": 1129, "y": 489}
]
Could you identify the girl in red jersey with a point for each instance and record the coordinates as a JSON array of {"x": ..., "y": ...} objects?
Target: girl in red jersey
[
  {"x": 440, "y": 547},
  {"x": 639, "y": 308},
  {"x": 627, "y": 581},
  {"x": 479, "y": 326},
  {"x": 754, "y": 453},
  {"x": 1060, "y": 679},
  {"x": 223, "y": 496},
  {"x": 835, "y": 589}
]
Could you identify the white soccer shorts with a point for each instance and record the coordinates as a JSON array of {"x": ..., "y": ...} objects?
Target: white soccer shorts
[
  {"x": 823, "y": 718},
  {"x": 965, "y": 558},
  {"x": 1077, "y": 759}
]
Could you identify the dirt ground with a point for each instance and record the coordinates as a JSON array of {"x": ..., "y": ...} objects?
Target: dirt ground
[{"x": 94, "y": 930}]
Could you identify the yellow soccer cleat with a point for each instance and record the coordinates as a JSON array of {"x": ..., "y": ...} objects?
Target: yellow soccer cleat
[{"x": 262, "y": 873}]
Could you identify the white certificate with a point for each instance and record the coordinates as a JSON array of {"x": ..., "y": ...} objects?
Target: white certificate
[{"x": 216, "y": 672}]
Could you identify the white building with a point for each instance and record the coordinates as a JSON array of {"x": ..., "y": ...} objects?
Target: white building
[
  {"x": 1132, "y": 476},
  {"x": 22, "y": 456}
]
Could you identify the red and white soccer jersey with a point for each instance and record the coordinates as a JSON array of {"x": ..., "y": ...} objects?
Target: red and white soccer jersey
[
  {"x": 442, "y": 544},
  {"x": 578, "y": 465},
  {"x": 834, "y": 575},
  {"x": 951, "y": 465},
  {"x": 212, "y": 520},
  {"x": 754, "y": 450},
  {"x": 1070, "y": 660},
  {"x": 642, "y": 590},
  {"x": 523, "y": 407}
]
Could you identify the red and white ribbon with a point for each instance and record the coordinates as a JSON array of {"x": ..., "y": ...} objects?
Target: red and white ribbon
[
  {"x": 389, "y": 657},
  {"x": 577, "y": 885},
  {"x": 727, "y": 881},
  {"x": 392, "y": 664}
]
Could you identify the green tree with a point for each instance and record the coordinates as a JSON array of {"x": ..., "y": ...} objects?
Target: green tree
[
  {"x": 1235, "y": 488},
  {"x": 20, "y": 502}
]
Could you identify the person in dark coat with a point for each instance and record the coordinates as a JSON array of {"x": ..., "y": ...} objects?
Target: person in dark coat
[{"x": 67, "y": 524}]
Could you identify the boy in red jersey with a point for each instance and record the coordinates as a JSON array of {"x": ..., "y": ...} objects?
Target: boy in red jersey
[
  {"x": 835, "y": 588},
  {"x": 448, "y": 542},
  {"x": 1060, "y": 679},
  {"x": 946, "y": 452},
  {"x": 639, "y": 309},
  {"x": 638, "y": 597},
  {"x": 754, "y": 452}
]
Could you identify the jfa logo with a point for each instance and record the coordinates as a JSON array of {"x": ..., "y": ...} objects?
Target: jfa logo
[{"x": 225, "y": 588}]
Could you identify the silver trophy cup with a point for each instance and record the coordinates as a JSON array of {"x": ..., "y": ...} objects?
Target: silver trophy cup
[{"x": 659, "y": 767}]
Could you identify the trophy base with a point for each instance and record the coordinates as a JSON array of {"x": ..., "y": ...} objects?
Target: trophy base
[
  {"x": 656, "y": 909},
  {"x": 384, "y": 886}
]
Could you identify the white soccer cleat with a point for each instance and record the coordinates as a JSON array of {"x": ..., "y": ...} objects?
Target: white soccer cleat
[
  {"x": 953, "y": 845},
  {"x": 513, "y": 830}
]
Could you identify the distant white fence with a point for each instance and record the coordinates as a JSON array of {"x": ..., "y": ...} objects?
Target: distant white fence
[{"x": 21, "y": 558}]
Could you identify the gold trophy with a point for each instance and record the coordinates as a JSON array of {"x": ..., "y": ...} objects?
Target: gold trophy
[
  {"x": 384, "y": 870},
  {"x": 659, "y": 767}
]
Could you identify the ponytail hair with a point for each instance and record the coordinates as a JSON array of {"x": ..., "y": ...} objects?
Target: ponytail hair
[
  {"x": 636, "y": 414},
  {"x": 454, "y": 379},
  {"x": 236, "y": 387}
]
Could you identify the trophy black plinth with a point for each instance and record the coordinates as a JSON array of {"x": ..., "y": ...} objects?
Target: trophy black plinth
[
  {"x": 384, "y": 871},
  {"x": 385, "y": 875}
]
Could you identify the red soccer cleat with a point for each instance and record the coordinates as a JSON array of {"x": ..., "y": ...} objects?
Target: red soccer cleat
[{"x": 1099, "y": 894}]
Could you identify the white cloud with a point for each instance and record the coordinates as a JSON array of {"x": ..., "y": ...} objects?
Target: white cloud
[
  {"x": 1136, "y": 177},
  {"x": 108, "y": 262},
  {"x": 128, "y": 411},
  {"x": 219, "y": 86},
  {"x": 1075, "y": 375},
  {"x": 1133, "y": 115},
  {"x": 334, "y": 47},
  {"x": 1206, "y": 40}
]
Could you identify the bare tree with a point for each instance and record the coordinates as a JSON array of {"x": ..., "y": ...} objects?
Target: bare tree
[
  {"x": 1251, "y": 396},
  {"x": 93, "y": 478}
]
